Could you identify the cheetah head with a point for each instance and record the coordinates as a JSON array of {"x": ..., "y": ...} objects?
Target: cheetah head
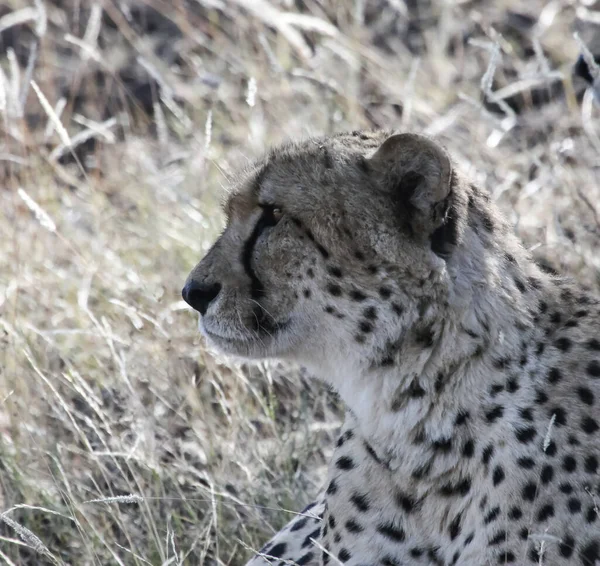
[{"x": 333, "y": 248}]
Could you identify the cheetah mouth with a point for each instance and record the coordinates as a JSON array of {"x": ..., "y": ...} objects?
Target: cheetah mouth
[{"x": 247, "y": 341}]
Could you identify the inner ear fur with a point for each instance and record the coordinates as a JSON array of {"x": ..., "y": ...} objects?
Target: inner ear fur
[{"x": 417, "y": 174}]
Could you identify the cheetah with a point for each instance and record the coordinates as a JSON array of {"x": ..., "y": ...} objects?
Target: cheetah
[{"x": 470, "y": 375}]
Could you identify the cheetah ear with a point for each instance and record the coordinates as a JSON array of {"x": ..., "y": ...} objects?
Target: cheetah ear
[{"x": 416, "y": 172}]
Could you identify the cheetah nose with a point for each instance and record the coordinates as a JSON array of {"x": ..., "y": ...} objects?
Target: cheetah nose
[{"x": 200, "y": 295}]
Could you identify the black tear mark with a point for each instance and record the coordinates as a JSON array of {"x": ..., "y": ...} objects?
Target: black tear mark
[{"x": 266, "y": 220}]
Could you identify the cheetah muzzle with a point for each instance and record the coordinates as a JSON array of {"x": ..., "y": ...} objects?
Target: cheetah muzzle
[{"x": 470, "y": 375}]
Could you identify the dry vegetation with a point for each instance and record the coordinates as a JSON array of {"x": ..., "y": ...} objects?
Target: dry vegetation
[{"x": 122, "y": 123}]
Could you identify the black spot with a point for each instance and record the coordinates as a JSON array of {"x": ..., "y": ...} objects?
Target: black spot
[
  {"x": 525, "y": 435},
  {"x": 554, "y": 375},
  {"x": 566, "y": 488},
  {"x": 415, "y": 390},
  {"x": 398, "y": 310},
  {"x": 574, "y": 505},
  {"x": 461, "y": 488},
  {"x": 494, "y": 414},
  {"x": 546, "y": 512},
  {"x": 555, "y": 318},
  {"x": 569, "y": 464},
  {"x": 331, "y": 522},
  {"x": 344, "y": 555},
  {"x": 526, "y": 414},
  {"x": 442, "y": 445},
  {"x": 526, "y": 463},
  {"x": 590, "y": 553},
  {"x": 495, "y": 389},
  {"x": 594, "y": 344},
  {"x": 332, "y": 487},
  {"x": 300, "y": 524},
  {"x": 512, "y": 385},
  {"x": 306, "y": 293},
  {"x": 406, "y": 502},
  {"x": 305, "y": 559},
  {"x": 357, "y": 295},
  {"x": 563, "y": 344},
  {"x": 425, "y": 337},
  {"x": 370, "y": 313},
  {"x": 354, "y": 527},
  {"x": 487, "y": 454},
  {"x": 592, "y": 514},
  {"x": 365, "y": 326},
  {"x": 372, "y": 453},
  {"x": 589, "y": 425},
  {"x": 501, "y": 363},
  {"x": 345, "y": 463},
  {"x": 360, "y": 501},
  {"x": 385, "y": 292},
  {"x": 313, "y": 535},
  {"x": 585, "y": 395},
  {"x": 372, "y": 269},
  {"x": 392, "y": 532},
  {"x": 359, "y": 255},
  {"x": 469, "y": 539},
  {"x": 535, "y": 555},
  {"x": 334, "y": 289},
  {"x": 498, "y": 475},
  {"x": 560, "y": 416},
  {"x": 324, "y": 253},
  {"x": 594, "y": 368},
  {"x": 515, "y": 513},
  {"x": 360, "y": 338},
  {"x": 529, "y": 491},
  {"x": 461, "y": 417},
  {"x": 506, "y": 557},
  {"x": 498, "y": 538},
  {"x": 540, "y": 397},
  {"x": 520, "y": 285},
  {"x": 551, "y": 448},
  {"x": 439, "y": 382},
  {"x": 334, "y": 270},
  {"x": 486, "y": 221},
  {"x": 492, "y": 515},
  {"x": 468, "y": 448},
  {"x": 591, "y": 464},
  {"x": 566, "y": 546},
  {"x": 422, "y": 471},
  {"x": 455, "y": 527},
  {"x": 278, "y": 550},
  {"x": 547, "y": 474}
]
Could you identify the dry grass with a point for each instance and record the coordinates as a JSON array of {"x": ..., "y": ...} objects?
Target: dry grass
[{"x": 121, "y": 440}]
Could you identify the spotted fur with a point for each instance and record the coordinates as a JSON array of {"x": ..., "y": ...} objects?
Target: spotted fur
[{"x": 471, "y": 377}]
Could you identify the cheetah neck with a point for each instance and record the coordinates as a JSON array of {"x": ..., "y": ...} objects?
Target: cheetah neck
[{"x": 410, "y": 413}]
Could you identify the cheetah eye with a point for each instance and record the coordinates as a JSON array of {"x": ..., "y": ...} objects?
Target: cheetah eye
[{"x": 271, "y": 214}]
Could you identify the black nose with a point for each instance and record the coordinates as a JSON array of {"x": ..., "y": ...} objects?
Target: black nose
[{"x": 200, "y": 295}]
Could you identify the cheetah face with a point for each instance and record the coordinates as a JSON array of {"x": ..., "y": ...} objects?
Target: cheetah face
[{"x": 323, "y": 245}]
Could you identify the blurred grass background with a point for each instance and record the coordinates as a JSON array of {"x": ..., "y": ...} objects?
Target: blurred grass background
[{"x": 122, "y": 124}]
